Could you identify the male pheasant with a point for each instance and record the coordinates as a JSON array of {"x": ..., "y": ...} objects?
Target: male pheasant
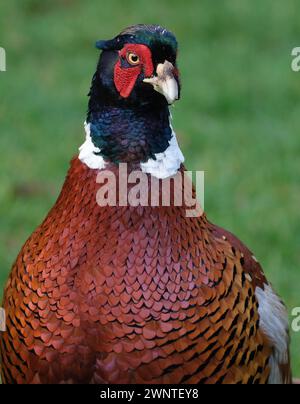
[{"x": 137, "y": 293}]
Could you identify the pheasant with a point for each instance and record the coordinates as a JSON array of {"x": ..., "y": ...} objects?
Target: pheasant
[{"x": 137, "y": 294}]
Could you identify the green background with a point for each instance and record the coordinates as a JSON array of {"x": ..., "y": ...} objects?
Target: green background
[{"x": 238, "y": 118}]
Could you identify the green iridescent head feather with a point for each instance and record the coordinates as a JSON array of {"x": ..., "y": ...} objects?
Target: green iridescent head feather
[{"x": 142, "y": 34}]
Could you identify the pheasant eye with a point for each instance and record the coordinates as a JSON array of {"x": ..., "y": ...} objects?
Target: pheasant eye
[{"x": 133, "y": 58}]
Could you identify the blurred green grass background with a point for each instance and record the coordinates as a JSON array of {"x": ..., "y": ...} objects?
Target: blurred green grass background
[{"x": 238, "y": 118}]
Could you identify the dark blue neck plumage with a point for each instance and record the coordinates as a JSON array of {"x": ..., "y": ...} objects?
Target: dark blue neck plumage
[
  {"x": 124, "y": 131},
  {"x": 130, "y": 135}
]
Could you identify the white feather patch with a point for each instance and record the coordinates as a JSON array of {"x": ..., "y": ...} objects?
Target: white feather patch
[
  {"x": 274, "y": 324},
  {"x": 167, "y": 163},
  {"x": 87, "y": 151}
]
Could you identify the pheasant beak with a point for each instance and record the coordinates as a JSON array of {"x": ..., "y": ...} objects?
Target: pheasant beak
[{"x": 164, "y": 82}]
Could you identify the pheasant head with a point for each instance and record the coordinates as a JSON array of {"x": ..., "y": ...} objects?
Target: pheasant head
[
  {"x": 135, "y": 82},
  {"x": 139, "y": 55}
]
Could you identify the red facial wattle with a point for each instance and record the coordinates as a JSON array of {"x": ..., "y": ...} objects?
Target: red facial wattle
[{"x": 125, "y": 77}]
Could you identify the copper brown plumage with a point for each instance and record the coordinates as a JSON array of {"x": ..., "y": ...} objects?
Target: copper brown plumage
[
  {"x": 145, "y": 294},
  {"x": 136, "y": 295}
]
